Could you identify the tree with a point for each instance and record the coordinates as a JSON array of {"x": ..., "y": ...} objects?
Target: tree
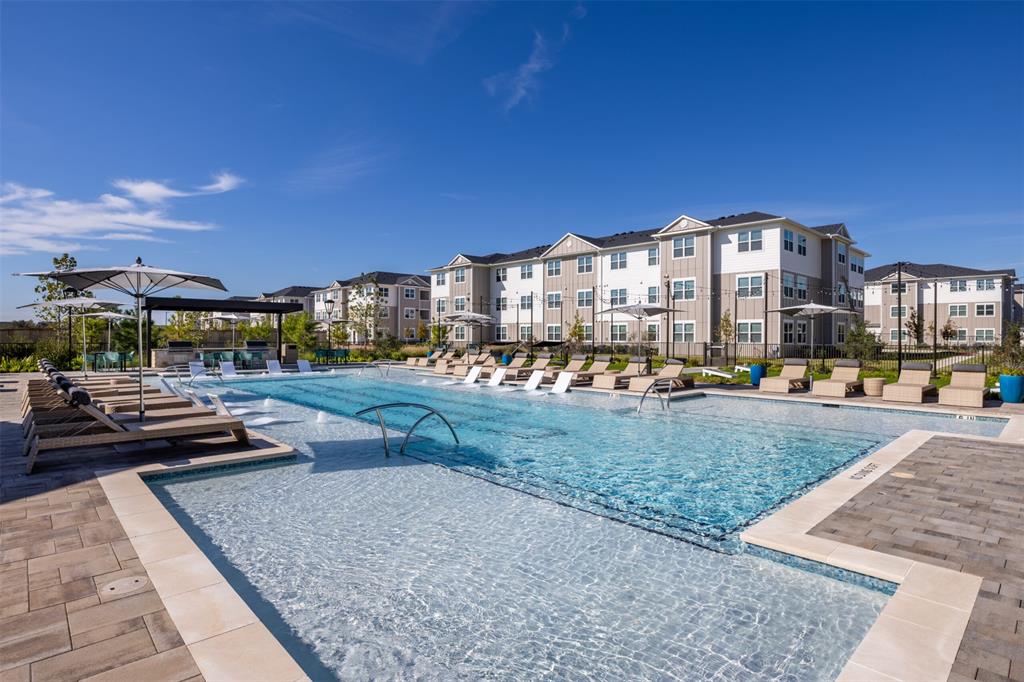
[
  {"x": 577, "y": 334},
  {"x": 185, "y": 326},
  {"x": 725, "y": 331},
  {"x": 438, "y": 334},
  {"x": 422, "y": 332},
  {"x": 1009, "y": 354},
  {"x": 339, "y": 332},
  {"x": 949, "y": 331},
  {"x": 860, "y": 343},
  {"x": 300, "y": 329},
  {"x": 364, "y": 309},
  {"x": 256, "y": 329},
  {"x": 915, "y": 326},
  {"x": 55, "y": 290}
]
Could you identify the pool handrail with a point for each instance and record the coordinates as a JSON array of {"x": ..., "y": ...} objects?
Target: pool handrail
[
  {"x": 384, "y": 431},
  {"x": 661, "y": 398}
]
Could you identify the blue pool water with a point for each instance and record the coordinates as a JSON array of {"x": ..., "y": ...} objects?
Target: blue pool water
[{"x": 374, "y": 568}]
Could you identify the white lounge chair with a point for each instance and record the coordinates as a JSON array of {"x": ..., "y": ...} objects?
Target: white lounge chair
[
  {"x": 196, "y": 368},
  {"x": 227, "y": 370},
  {"x": 497, "y": 376},
  {"x": 534, "y": 381},
  {"x": 563, "y": 382},
  {"x": 473, "y": 375},
  {"x": 274, "y": 368},
  {"x": 223, "y": 411},
  {"x": 304, "y": 367}
]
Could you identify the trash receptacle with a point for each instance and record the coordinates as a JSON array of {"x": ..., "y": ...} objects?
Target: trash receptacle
[
  {"x": 291, "y": 353},
  {"x": 757, "y": 372}
]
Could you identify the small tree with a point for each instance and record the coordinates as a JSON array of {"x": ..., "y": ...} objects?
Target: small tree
[
  {"x": 185, "y": 326},
  {"x": 364, "y": 309},
  {"x": 438, "y": 334},
  {"x": 725, "y": 331},
  {"x": 339, "y": 331},
  {"x": 860, "y": 343},
  {"x": 422, "y": 332},
  {"x": 1009, "y": 354},
  {"x": 256, "y": 329},
  {"x": 915, "y": 326},
  {"x": 949, "y": 331},
  {"x": 300, "y": 329},
  {"x": 54, "y": 290},
  {"x": 577, "y": 334}
]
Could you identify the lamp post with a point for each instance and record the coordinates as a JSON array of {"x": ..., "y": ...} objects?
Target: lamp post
[
  {"x": 899, "y": 315},
  {"x": 329, "y": 304},
  {"x": 670, "y": 333}
]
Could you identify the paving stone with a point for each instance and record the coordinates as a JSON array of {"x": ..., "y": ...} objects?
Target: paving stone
[
  {"x": 95, "y": 658},
  {"x": 174, "y": 665},
  {"x": 59, "y": 594},
  {"x": 161, "y": 628}
]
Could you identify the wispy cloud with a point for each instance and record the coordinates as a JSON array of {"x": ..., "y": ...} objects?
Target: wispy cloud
[
  {"x": 335, "y": 167},
  {"x": 34, "y": 219}
]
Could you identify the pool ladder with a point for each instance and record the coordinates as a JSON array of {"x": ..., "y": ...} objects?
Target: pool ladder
[
  {"x": 658, "y": 382},
  {"x": 377, "y": 364},
  {"x": 384, "y": 431}
]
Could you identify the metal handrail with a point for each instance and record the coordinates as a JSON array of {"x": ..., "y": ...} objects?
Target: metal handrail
[
  {"x": 383, "y": 429},
  {"x": 377, "y": 366},
  {"x": 655, "y": 383},
  {"x": 177, "y": 374}
]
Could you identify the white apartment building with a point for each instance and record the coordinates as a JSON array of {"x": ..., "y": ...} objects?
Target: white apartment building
[
  {"x": 747, "y": 265},
  {"x": 978, "y": 303},
  {"x": 403, "y": 299}
]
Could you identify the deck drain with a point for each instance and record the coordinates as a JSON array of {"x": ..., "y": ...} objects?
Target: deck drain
[{"x": 125, "y": 585}]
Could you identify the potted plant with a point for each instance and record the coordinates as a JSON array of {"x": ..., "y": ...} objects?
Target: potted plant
[{"x": 1009, "y": 357}]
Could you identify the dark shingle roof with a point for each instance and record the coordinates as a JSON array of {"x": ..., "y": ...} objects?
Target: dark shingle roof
[
  {"x": 292, "y": 291},
  {"x": 492, "y": 258},
  {"x": 832, "y": 228},
  {"x": 380, "y": 277},
  {"x": 929, "y": 270},
  {"x": 621, "y": 238},
  {"x": 740, "y": 218}
]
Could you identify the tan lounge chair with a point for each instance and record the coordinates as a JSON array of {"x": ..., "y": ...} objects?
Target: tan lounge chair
[
  {"x": 845, "y": 380},
  {"x": 575, "y": 364},
  {"x": 793, "y": 376},
  {"x": 484, "y": 360},
  {"x": 611, "y": 381},
  {"x": 442, "y": 366},
  {"x": 966, "y": 386},
  {"x": 542, "y": 362},
  {"x": 673, "y": 370},
  {"x": 913, "y": 384},
  {"x": 598, "y": 367}
]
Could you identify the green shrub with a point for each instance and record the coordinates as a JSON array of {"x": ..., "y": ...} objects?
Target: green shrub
[{"x": 13, "y": 365}]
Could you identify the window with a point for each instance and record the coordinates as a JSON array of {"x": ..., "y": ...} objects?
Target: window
[
  {"x": 801, "y": 245},
  {"x": 584, "y": 264},
  {"x": 984, "y": 309},
  {"x": 501, "y": 333},
  {"x": 898, "y": 311},
  {"x": 896, "y": 334},
  {"x": 788, "y": 242},
  {"x": 801, "y": 287},
  {"x": 683, "y": 247},
  {"x": 618, "y": 297},
  {"x": 857, "y": 296},
  {"x": 424, "y": 314},
  {"x": 684, "y": 289},
  {"x": 619, "y": 261},
  {"x": 788, "y": 285},
  {"x": 588, "y": 332},
  {"x": 526, "y": 302},
  {"x": 501, "y": 303},
  {"x": 841, "y": 293},
  {"x": 961, "y": 335},
  {"x": 652, "y": 256},
  {"x": 525, "y": 332},
  {"x": 750, "y": 286},
  {"x": 585, "y": 298},
  {"x": 555, "y": 300},
  {"x": 684, "y": 332},
  {"x": 554, "y": 268},
  {"x": 409, "y": 313},
  {"x": 748, "y": 332},
  {"x": 840, "y": 333},
  {"x": 787, "y": 331},
  {"x": 959, "y": 310},
  {"x": 460, "y": 304},
  {"x": 460, "y": 333},
  {"x": 958, "y": 285},
  {"x": 409, "y": 292},
  {"x": 801, "y": 332},
  {"x": 896, "y": 288},
  {"x": 651, "y": 333},
  {"x": 619, "y": 333},
  {"x": 857, "y": 263},
  {"x": 442, "y": 306},
  {"x": 500, "y": 274},
  {"x": 554, "y": 332},
  {"x": 749, "y": 241},
  {"x": 383, "y": 313},
  {"x": 440, "y": 279},
  {"x": 985, "y": 285},
  {"x": 652, "y": 294},
  {"x": 383, "y": 292},
  {"x": 410, "y": 332},
  {"x": 984, "y": 335},
  {"x": 841, "y": 253},
  {"x": 526, "y": 271},
  {"x": 460, "y": 275}
]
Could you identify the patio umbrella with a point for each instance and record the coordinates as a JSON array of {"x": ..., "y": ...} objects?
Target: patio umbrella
[
  {"x": 83, "y": 303},
  {"x": 109, "y": 317},
  {"x": 810, "y": 310},
  {"x": 136, "y": 280},
  {"x": 638, "y": 311},
  {"x": 233, "y": 319},
  {"x": 471, "y": 318}
]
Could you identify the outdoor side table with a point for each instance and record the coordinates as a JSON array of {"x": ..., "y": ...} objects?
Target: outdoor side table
[{"x": 873, "y": 386}]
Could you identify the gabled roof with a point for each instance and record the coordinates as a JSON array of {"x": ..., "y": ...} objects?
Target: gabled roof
[
  {"x": 383, "y": 277},
  {"x": 291, "y": 291},
  {"x": 931, "y": 271},
  {"x": 832, "y": 229},
  {"x": 742, "y": 218},
  {"x": 494, "y": 258},
  {"x": 621, "y": 238}
]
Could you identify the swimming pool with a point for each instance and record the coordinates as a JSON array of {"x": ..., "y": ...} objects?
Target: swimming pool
[{"x": 367, "y": 567}]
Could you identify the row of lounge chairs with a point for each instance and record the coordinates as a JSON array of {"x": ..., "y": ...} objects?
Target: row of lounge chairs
[
  {"x": 966, "y": 387},
  {"x": 60, "y": 414}
]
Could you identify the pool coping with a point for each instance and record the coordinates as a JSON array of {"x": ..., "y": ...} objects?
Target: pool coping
[{"x": 226, "y": 639}]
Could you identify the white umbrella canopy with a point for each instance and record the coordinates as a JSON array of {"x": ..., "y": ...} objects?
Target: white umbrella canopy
[
  {"x": 470, "y": 318},
  {"x": 810, "y": 310},
  {"x": 638, "y": 311},
  {"x": 233, "y": 319},
  {"x": 136, "y": 280}
]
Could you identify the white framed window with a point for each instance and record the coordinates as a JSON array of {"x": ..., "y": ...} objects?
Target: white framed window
[
  {"x": 957, "y": 285},
  {"x": 501, "y": 333},
  {"x": 460, "y": 333},
  {"x": 652, "y": 256},
  {"x": 749, "y": 331},
  {"x": 501, "y": 303},
  {"x": 584, "y": 264},
  {"x": 525, "y": 332},
  {"x": 652, "y": 294},
  {"x": 984, "y": 335},
  {"x": 440, "y": 279},
  {"x": 841, "y": 293},
  {"x": 442, "y": 306},
  {"x": 409, "y": 313},
  {"x": 383, "y": 292},
  {"x": 651, "y": 331},
  {"x": 841, "y": 253},
  {"x": 801, "y": 331},
  {"x": 801, "y": 245},
  {"x": 898, "y": 288},
  {"x": 684, "y": 289},
  {"x": 750, "y": 286},
  {"x": 409, "y": 292},
  {"x": 554, "y": 332},
  {"x": 895, "y": 334},
  {"x": 857, "y": 263},
  {"x": 460, "y": 304},
  {"x": 801, "y": 287},
  {"x": 749, "y": 240},
  {"x": 788, "y": 285},
  {"x": 958, "y": 310},
  {"x": 897, "y": 311},
  {"x": 840, "y": 333},
  {"x": 619, "y": 333},
  {"x": 788, "y": 241},
  {"x": 588, "y": 332},
  {"x": 500, "y": 274},
  {"x": 554, "y": 268},
  {"x": 555, "y": 300},
  {"x": 985, "y": 285},
  {"x": 787, "y": 331},
  {"x": 460, "y": 275},
  {"x": 618, "y": 261},
  {"x": 684, "y": 247},
  {"x": 526, "y": 271},
  {"x": 961, "y": 335},
  {"x": 618, "y": 297},
  {"x": 526, "y": 302},
  {"x": 585, "y": 298},
  {"x": 984, "y": 309},
  {"x": 684, "y": 332}
]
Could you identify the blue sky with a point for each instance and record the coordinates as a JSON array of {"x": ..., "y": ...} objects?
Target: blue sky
[{"x": 277, "y": 144}]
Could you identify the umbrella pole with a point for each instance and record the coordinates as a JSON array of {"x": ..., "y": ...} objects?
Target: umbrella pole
[
  {"x": 108, "y": 336},
  {"x": 85, "y": 364},
  {"x": 138, "y": 319}
]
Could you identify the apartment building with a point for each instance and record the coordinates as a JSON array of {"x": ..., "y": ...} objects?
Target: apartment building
[
  {"x": 746, "y": 265},
  {"x": 403, "y": 300},
  {"x": 978, "y": 303}
]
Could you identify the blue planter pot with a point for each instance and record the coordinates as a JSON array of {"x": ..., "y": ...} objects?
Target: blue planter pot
[
  {"x": 1011, "y": 388},
  {"x": 506, "y": 359},
  {"x": 757, "y": 372}
]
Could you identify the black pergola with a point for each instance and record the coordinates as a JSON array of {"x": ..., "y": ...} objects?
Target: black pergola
[{"x": 215, "y": 305}]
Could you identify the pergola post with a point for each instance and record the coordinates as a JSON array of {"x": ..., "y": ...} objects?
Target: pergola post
[
  {"x": 149, "y": 336},
  {"x": 280, "y": 348}
]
